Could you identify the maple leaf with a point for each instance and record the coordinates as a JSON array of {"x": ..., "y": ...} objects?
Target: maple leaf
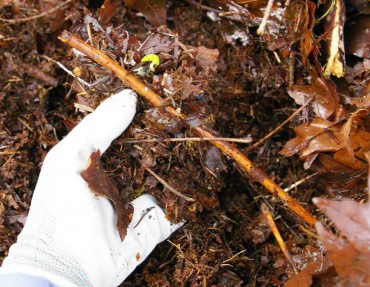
[{"x": 101, "y": 185}]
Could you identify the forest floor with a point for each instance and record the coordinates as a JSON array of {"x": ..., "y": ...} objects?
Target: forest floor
[{"x": 236, "y": 69}]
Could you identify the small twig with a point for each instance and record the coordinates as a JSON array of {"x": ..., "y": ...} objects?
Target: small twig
[
  {"x": 188, "y": 139},
  {"x": 166, "y": 185},
  {"x": 253, "y": 171},
  {"x": 253, "y": 146},
  {"x": 43, "y": 14},
  {"x": 66, "y": 70},
  {"x": 277, "y": 235},
  {"x": 300, "y": 182},
  {"x": 232, "y": 257},
  {"x": 266, "y": 15}
]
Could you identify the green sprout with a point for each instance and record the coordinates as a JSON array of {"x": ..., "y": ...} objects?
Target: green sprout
[{"x": 154, "y": 59}]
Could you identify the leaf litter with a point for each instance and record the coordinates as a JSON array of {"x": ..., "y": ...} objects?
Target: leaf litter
[{"x": 221, "y": 73}]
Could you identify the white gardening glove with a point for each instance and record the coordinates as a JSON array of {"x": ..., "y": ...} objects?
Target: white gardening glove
[{"x": 70, "y": 236}]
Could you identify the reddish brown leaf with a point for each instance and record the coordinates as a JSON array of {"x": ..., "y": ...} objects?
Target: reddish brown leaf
[
  {"x": 325, "y": 98},
  {"x": 351, "y": 264},
  {"x": 352, "y": 218},
  {"x": 312, "y": 138},
  {"x": 154, "y": 10},
  {"x": 101, "y": 185}
]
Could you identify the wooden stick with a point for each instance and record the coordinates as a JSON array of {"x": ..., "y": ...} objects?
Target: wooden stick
[
  {"x": 276, "y": 232},
  {"x": 254, "y": 172}
]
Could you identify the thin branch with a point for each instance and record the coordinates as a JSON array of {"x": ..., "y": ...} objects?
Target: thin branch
[
  {"x": 276, "y": 232},
  {"x": 247, "y": 140},
  {"x": 169, "y": 187},
  {"x": 300, "y": 182},
  {"x": 253, "y": 146},
  {"x": 43, "y": 14},
  {"x": 254, "y": 172}
]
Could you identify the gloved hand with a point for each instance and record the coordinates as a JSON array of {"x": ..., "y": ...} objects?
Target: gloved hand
[{"x": 70, "y": 236}]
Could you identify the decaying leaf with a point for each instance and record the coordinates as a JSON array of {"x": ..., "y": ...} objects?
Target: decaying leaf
[
  {"x": 347, "y": 140},
  {"x": 335, "y": 21},
  {"x": 101, "y": 185},
  {"x": 322, "y": 92},
  {"x": 154, "y": 10}
]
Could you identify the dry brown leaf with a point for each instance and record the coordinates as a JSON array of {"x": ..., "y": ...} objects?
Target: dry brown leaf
[
  {"x": 347, "y": 140},
  {"x": 101, "y": 185},
  {"x": 313, "y": 138},
  {"x": 322, "y": 92}
]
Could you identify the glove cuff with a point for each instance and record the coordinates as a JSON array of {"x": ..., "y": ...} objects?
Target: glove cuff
[
  {"x": 22, "y": 269},
  {"x": 35, "y": 254}
]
